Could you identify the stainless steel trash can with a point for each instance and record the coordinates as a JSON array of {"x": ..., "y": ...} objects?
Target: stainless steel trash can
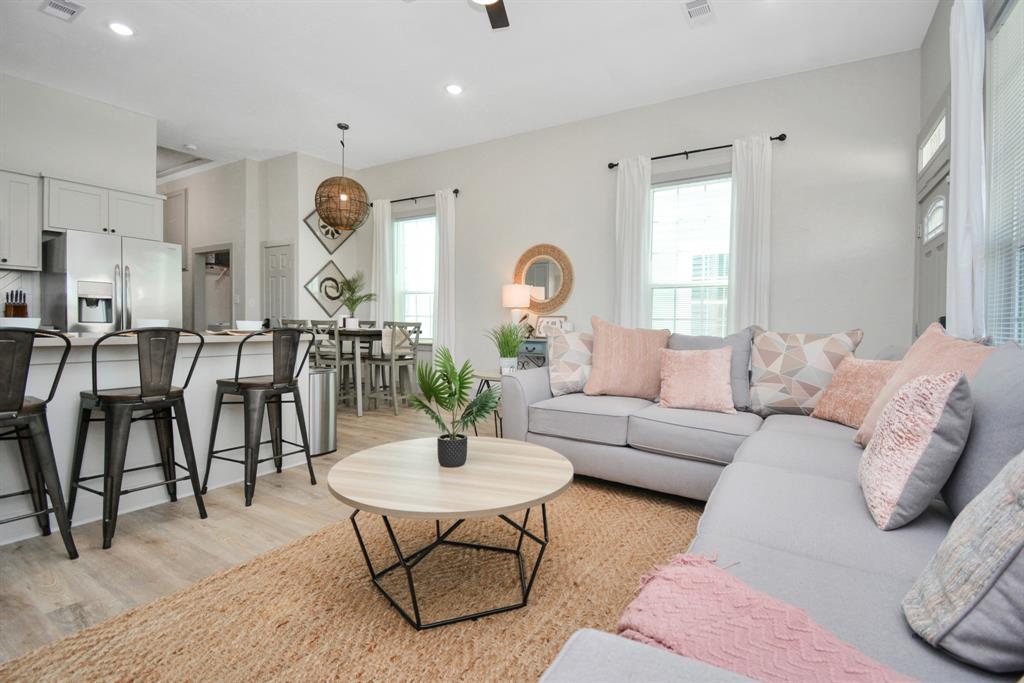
[{"x": 321, "y": 409}]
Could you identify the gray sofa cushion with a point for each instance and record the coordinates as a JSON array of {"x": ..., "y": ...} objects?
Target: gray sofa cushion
[
  {"x": 794, "y": 452},
  {"x": 997, "y": 429},
  {"x": 600, "y": 419},
  {"x": 820, "y": 518},
  {"x": 591, "y": 656},
  {"x": 687, "y": 478},
  {"x": 858, "y": 606},
  {"x": 812, "y": 426},
  {"x": 692, "y": 434},
  {"x": 740, "y": 343}
]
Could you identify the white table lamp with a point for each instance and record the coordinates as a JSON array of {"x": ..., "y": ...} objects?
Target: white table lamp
[{"x": 516, "y": 297}]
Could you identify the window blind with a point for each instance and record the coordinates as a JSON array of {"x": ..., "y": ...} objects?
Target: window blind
[{"x": 1004, "y": 305}]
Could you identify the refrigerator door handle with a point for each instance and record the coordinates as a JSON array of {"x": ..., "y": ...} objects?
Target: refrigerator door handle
[
  {"x": 128, "y": 297},
  {"x": 117, "y": 297}
]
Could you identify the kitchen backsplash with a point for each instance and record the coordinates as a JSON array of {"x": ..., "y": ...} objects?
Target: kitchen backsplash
[{"x": 28, "y": 282}]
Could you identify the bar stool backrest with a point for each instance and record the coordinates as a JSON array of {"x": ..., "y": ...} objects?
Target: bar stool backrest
[
  {"x": 286, "y": 351},
  {"x": 325, "y": 351},
  {"x": 400, "y": 339},
  {"x": 294, "y": 323},
  {"x": 157, "y": 353},
  {"x": 158, "y": 349},
  {"x": 15, "y": 357},
  {"x": 16, "y": 345}
]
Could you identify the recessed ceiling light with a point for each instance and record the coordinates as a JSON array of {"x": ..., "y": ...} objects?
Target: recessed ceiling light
[
  {"x": 485, "y": 2},
  {"x": 454, "y": 89},
  {"x": 121, "y": 29},
  {"x": 190, "y": 147}
]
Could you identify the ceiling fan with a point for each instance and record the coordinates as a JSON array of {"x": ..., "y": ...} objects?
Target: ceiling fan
[{"x": 495, "y": 12}]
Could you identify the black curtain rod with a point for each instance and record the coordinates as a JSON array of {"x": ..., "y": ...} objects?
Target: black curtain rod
[
  {"x": 781, "y": 137},
  {"x": 419, "y": 196}
]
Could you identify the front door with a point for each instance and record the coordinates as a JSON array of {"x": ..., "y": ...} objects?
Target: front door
[
  {"x": 932, "y": 215},
  {"x": 278, "y": 282}
]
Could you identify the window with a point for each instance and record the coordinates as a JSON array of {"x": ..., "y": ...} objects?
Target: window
[
  {"x": 1004, "y": 291},
  {"x": 690, "y": 255},
  {"x": 415, "y": 263},
  {"x": 935, "y": 219},
  {"x": 932, "y": 144}
]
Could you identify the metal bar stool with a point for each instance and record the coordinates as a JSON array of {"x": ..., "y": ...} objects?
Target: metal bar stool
[
  {"x": 156, "y": 396},
  {"x": 264, "y": 394},
  {"x": 25, "y": 416}
]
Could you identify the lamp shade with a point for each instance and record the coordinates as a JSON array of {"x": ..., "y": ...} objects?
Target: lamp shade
[
  {"x": 342, "y": 203},
  {"x": 515, "y": 296}
]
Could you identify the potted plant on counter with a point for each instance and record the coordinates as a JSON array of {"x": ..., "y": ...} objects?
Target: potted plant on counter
[
  {"x": 446, "y": 401},
  {"x": 508, "y": 337},
  {"x": 352, "y": 296}
]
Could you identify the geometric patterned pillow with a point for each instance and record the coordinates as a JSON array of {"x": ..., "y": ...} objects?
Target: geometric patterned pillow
[
  {"x": 969, "y": 600},
  {"x": 569, "y": 361},
  {"x": 790, "y": 372}
]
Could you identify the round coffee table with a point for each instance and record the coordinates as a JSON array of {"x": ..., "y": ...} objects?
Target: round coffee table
[{"x": 404, "y": 480}]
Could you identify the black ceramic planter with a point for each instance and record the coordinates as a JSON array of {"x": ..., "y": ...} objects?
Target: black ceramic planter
[{"x": 451, "y": 452}]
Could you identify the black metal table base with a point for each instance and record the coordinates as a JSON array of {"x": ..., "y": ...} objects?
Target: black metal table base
[{"x": 408, "y": 562}]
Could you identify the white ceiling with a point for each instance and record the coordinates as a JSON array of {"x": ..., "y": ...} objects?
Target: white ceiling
[{"x": 261, "y": 78}]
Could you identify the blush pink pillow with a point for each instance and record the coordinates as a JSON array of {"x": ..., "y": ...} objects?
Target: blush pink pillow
[
  {"x": 698, "y": 380},
  {"x": 920, "y": 436},
  {"x": 625, "y": 362},
  {"x": 853, "y": 389},
  {"x": 933, "y": 353}
]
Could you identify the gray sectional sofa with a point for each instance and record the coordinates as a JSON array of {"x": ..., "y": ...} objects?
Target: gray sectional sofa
[{"x": 784, "y": 513}]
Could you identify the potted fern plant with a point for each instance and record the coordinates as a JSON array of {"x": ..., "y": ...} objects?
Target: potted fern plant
[
  {"x": 445, "y": 400},
  {"x": 352, "y": 296},
  {"x": 508, "y": 337}
]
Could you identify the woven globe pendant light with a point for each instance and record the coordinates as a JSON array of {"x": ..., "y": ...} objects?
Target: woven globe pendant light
[{"x": 341, "y": 202}]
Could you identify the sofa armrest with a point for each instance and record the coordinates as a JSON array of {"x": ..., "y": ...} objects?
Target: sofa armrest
[
  {"x": 595, "y": 657},
  {"x": 519, "y": 391}
]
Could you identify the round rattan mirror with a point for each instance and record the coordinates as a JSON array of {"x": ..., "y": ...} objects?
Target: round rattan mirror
[{"x": 548, "y": 270}]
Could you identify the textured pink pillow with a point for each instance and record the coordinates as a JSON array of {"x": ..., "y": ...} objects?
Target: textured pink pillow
[
  {"x": 853, "y": 389},
  {"x": 933, "y": 353},
  {"x": 625, "y": 362},
  {"x": 919, "y": 438},
  {"x": 698, "y": 380}
]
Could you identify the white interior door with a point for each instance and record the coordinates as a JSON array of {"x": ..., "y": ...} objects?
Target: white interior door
[
  {"x": 932, "y": 213},
  {"x": 278, "y": 281}
]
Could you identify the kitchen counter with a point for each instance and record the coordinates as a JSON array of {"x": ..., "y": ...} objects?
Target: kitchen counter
[{"x": 117, "y": 366}]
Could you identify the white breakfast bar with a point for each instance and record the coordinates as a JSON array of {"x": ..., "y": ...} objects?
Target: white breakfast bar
[{"x": 117, "y": 366}]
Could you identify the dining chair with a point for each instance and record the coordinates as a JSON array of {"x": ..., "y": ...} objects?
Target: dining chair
[{"x": 391, "y": 373}]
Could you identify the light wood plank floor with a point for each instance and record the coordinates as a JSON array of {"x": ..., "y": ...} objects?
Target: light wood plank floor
[{"x": 158, "y": 550}]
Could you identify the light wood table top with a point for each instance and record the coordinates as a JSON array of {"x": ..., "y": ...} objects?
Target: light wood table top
[{"x": 404, "y": 479}]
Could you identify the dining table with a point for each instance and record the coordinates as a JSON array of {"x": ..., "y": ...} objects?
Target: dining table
[{"x": 357, "y": 335}]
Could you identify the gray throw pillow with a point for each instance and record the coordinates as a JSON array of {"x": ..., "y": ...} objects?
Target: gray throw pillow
[
  {"x": 739, "y": 376},
  {"x": 997, "y": 430},
  {"x": 969, "y": 600}
]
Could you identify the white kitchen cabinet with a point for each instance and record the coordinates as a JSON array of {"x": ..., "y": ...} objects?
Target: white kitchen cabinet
[
  {"x": 135, "y": 215},
  {"x": 73, "y": 206},
  {"x": 76, "y": 206},
  {"x": 20, "y": 222}
]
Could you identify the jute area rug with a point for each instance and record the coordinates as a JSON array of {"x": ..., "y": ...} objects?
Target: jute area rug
[{"x": 307, "y": 611}]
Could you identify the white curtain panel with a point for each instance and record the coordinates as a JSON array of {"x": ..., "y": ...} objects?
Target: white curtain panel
[
  {"x": 382, "y": 273},
  {"x": 444, "y": 284},
  {"x": 750, "y": 245},
  {"x": 965, "y": 264},
  {"x": 633, "y": 243}
]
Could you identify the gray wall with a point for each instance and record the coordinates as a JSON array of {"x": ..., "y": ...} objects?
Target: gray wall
[
  {"x": 843, "y": 198},
  {"x": 935, "y": 76}
]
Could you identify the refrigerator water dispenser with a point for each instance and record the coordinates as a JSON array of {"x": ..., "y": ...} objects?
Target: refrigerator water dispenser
[{"x": 95, "y": 302}]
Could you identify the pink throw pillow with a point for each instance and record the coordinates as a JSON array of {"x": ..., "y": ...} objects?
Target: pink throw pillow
[
  {"x": 853, "y": 389},
  {"x": 625, "y": 362},
  {"x": 698, "y": 380},
  {"x": 920, "y": 436},
  {"x": 933, "y": 353}
]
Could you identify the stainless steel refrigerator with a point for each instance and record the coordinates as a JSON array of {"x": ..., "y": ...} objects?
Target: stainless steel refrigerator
[{"x": 94, "y": 284}]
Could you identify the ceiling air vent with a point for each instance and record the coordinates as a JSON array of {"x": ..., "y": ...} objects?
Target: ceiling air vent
[
  {"x": 65, "y": 10},
  {"x": 698, "y": 9}
]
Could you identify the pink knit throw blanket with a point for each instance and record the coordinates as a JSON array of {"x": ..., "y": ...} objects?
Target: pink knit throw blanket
[{"x": 694, "y": 608}]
